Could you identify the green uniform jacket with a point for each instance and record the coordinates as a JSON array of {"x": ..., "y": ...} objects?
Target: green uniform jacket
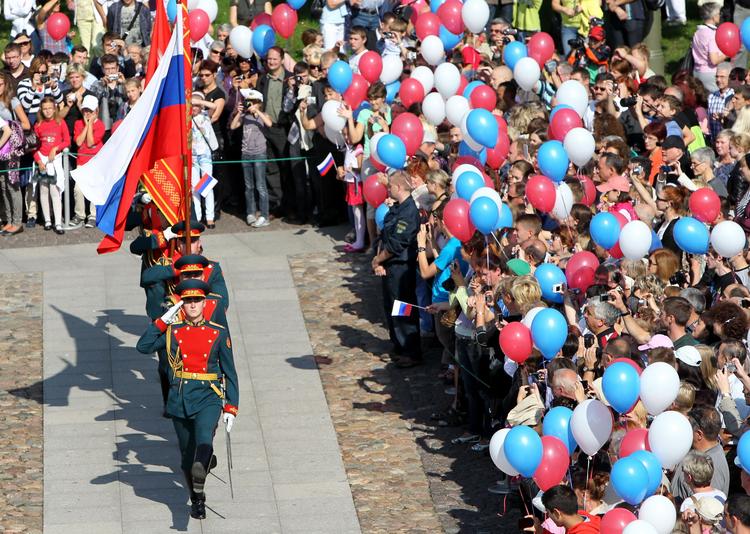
[{"x": 159, "y": 275}]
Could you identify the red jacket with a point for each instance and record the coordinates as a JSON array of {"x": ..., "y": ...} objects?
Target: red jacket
[
  {"x": 590, "y": 525},
  {"x": 51, "y": 134}
]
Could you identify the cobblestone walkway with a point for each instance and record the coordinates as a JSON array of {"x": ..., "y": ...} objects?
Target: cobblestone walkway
[
  {"x": 21, "y": 424},
  {"x": 405, "y": 474}
]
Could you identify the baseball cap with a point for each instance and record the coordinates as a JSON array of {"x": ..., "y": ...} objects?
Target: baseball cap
[
  {"x": 251, "y": 94},
  {"x": 519, "y": 267},
  {"x": 673, "y": 141},
  {"x": 659, "y": 340},
  {"x": 616, "y": 183},
  {"x": 596, "y": 33},
  {"x": 90, "y": 102},
  {"x": 688, "y": 355},
  {"x": 710, "y": 509}
]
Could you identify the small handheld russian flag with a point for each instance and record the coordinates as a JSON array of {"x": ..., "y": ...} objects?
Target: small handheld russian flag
[
  {"x": 205, "y": 184},
  {"x": 401, "y": 309},
  {"x": 326, "y": 165}
]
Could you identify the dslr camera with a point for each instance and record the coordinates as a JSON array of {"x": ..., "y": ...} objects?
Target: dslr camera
[
  {"x": 507, "y": 32},
  {"x": 629, "y": 102}
]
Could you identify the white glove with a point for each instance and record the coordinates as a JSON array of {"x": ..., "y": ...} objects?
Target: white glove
[
  {"x": 168, "y": 234},
  {"x": 171, "y": 315},
  {"x": 229, "y": 421},
  {"x": 146, "y": 198}
]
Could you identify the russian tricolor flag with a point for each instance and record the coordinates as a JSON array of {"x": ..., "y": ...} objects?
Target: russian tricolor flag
[
  {"x": 155, "y": 128},
  {"x": 326, "y": 165},
  {"x": 400, "y": 309},
  {"x": 205, "y": 184}
]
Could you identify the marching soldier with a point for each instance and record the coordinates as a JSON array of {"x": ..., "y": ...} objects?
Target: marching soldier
[{"x": 203, "y": 382}]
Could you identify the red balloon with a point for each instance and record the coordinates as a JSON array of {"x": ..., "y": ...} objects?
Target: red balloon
[
  {"x": 705, "y": 204},
  {"x": 589, "y": 190},
  {"x": 199, "y": 22},
  {"x": 411, "y": 92},
  {"x": 377, "y": 164},
  {"x": 615, "y": 521},
  {"x": 450, "y": 15},
  {"x": 630, "y": 362},
  {"x": 262, "y": 18},
  {"x": 427, "y": 24},
  {"x": 284, "y": 20},
  {"x": 457, "y": 221},
  {"x": 541, "y": 46},
  {"x": 554, "y": 464},
  {"x": 728, "y": 38},
  {"x": 579, "y": 260},
  {"x": 615, "y": 251},
  {"x": 541, "y": 193},
  {"x": 497, "y": 155},
  {"x": 409, "y": 129},
  {"x": 375, "y": 193},
  {"x": 469, "y": 160},
  {"x": 484, "y": 96},
  {"x": 357, "y": 91},
  {"x": 501, "y": 124},
  {"x": 565, "y": 119},
  {"x": 515, "y": 341},
  {"x": 582, "y": 279},
  {"x": 470, "y": 56},
  {"x": 370, "y": 66},
  {"x": 58, "y": 26},
  {"x": 622, "y": 221},
  {"x": 635, "y": 440}
]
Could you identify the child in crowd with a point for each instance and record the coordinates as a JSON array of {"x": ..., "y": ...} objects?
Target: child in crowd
[
  {"x": 88, "y": 134},
  {"x": 53, "y": 136},
  {"x": 350, "y": 173},
  {"x": 204, "y": 143},
  {"x": 132, "y": 93},
  {"x": 393, "y": 39},
  {"x": 357, "y": 43}
]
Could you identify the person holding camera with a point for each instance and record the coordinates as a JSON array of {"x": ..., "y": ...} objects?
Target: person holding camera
[
  {"x": 110, "y": 89},
  {"x": 113, "y": 45},
  {"x": 38, "y": 85}
]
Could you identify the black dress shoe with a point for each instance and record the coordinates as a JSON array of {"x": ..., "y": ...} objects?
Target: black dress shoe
[
  {"x": 59, "y": 230},
  {"x": 210, "y": 226},
  {"x": 198, "y": 506}
]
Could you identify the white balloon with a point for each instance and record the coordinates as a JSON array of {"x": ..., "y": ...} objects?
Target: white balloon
[
  {"x": 432, "y": 49},
  {"x": 458, "y": 171},
  {"x": 210, "y": 7},
  {"x": 392, "y": 68},
  {"x": 728, "y": 238},
  {"x": 580, "y": 146},
  {"x": 475, "y": 14},
  {"x": 635, "y": 240},
  {"x": 374, "y": 146},
  {"x": 447, "y": 79},
  {"x": 241, "y": 39},
  {"x": 526, "y": 73},
  {"x": 476, "y": 147},
  {"x": 433, "y": 107},
  {"x": 591, "y": 425},
  {"x": 334, "y": 136},
  {"x": 563, "y": 202},
  {"x": 498, "y": 455},
  {"x": 456, "y": 109},
  {"x": 639, "y": 527},
  {"x": 331, "y": 116},
  {"x": 193, "y": 4},
  {"x": 659, "y": 386},
  {"x": 670, "y": 438},
  {"x": 659, "y": 512},
  {"x": 424, "y": 76},
  {"x": 529, "y": 317},
  {"x": 573, "y": 94}
]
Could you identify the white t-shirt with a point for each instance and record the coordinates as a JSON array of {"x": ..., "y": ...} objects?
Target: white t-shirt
[{"x": 689, "y": 504}]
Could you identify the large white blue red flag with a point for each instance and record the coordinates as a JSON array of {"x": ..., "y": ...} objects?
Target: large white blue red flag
[{"x": 155, "y": 128}]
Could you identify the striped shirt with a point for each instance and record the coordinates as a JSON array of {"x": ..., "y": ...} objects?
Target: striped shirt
[
  {"x": 716, "y": 104},
  {"x": 30, "y": 97}
]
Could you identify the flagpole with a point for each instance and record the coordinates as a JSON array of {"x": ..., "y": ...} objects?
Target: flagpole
[{"x": 186, "y": 165}]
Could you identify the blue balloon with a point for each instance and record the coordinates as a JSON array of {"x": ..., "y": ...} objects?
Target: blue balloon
[
  {"x": 653, "y": 468},
  {"x": 604, "y": 229},
  {"x": 655, "y": 242},
  {"x": 380, "y": 214},
  {"x": 629, "y": 479},
  {"x": 450, "y": 40},
  {"x": 467, "y": 183},
  {"x": 691, "y": 235},
  {"x": 549, "y": 330},
  {"x": 296, "y": 4},
  {"x": 483, "y": 213},
  {"x": 557, "y": 423},
  {"x": 435, "y": 5},
  {"x": 745, "y": 33},
  {"x": 557, "y": 107},
  {"x": 466, "y": 150},
  {"x": 553, "y": 161},
  {"x": 743, "y": 451},
  {"x": 391, "y": 91},
  {"x": 392, "y": 152},
  {"x": 263, "y": 39},
  {"x": 523, "y": 449},
  {"x": 512, "y": 52},
  {"x": 171, "y": 10},
  {"x": 340, "y": 76},
  {"x": 549, "y": 276},
  {"x": 470, "y": 87},
  {"x": 482, "y": 127},
  {"x": 621, "y": 386},
  {"x": 505, "y": 219}
]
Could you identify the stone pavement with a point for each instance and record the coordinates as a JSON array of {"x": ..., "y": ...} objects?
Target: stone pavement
[{"x": 111, "y": 461}]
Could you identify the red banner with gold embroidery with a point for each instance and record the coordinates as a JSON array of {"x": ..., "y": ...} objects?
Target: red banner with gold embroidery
[{"x": 164, "y": 184}]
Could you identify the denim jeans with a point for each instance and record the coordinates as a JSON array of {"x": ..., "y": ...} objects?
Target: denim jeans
[
  {"x": 255, "y": 179},
  {"x": 567, "y": 33}
]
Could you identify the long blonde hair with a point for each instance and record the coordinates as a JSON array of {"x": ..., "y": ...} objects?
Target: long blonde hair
[{"x": 742, "y": 124}]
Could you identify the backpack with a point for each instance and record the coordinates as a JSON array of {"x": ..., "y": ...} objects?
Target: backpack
[
  {"x": 15, "y": 146},
  {"x": 687, "y": 63}
]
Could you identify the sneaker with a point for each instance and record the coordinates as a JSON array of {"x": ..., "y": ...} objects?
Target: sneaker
[
  {"x": 75, "y": 221},
  {"x": 250, "y": 219},
  {"x": 31, "y": 222},
  {"x": 90, "y": 223},
  {"x": 261, "y": 222}
]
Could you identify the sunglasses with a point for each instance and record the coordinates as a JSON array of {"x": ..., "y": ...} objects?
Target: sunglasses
[
  {"x": 205, "y": 74},
  {"x": 24, "y": 43}
]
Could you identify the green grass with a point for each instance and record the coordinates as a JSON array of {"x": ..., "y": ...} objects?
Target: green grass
[{"x": 677, "y": 39}]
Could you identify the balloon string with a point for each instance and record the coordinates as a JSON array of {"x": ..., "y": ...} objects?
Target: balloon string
[
  {"x": 523, "y": 499},
  {"x": 588, "y": 473},
  {"x": 487, "y": 249}
]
